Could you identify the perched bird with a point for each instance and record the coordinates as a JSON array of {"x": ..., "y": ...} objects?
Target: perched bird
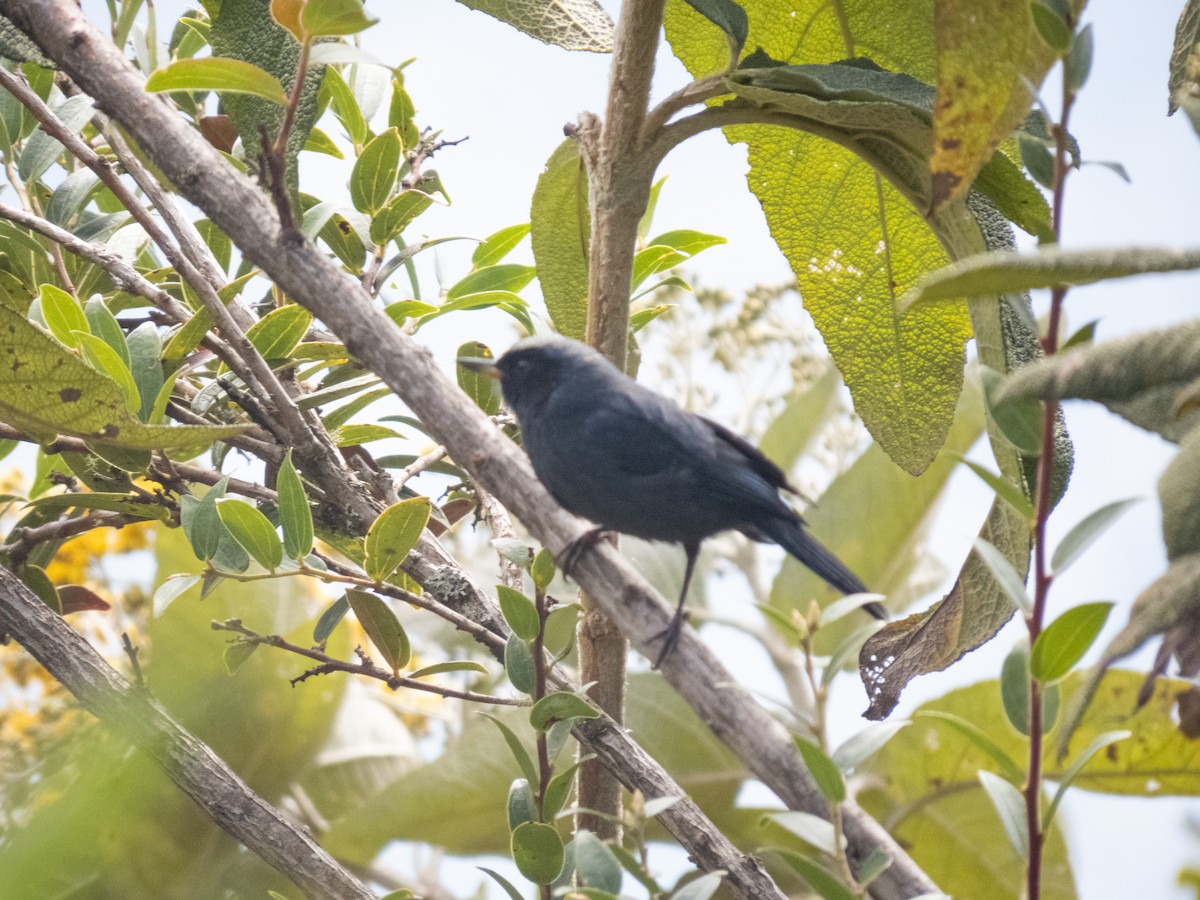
[{"x": 615, "y": 452}]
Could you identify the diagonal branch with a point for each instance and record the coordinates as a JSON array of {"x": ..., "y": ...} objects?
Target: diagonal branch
[
  {"x": 246, "y": 215},
  {"x": 188, "y": 762}
]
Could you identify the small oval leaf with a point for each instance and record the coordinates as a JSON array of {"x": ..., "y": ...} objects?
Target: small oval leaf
[
  {"x": 393, "y": 535},
  {"x": 253, "y": 531},
  {"x": 1066, "y": 639},
  {"x": 382, "y": 627}
]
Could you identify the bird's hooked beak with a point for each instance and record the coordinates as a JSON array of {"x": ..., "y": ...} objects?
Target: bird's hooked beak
[{"x": 486, "y": 367}]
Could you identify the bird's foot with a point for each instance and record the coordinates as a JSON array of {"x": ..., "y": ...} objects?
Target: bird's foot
[
  {"x": 570, "y": 554},
  {"x": 670, "y": 636}
]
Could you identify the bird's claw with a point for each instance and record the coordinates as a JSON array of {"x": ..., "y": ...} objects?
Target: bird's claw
[
  {"x": 569, "y": 555},
  {"x": 670, "y": 637}
]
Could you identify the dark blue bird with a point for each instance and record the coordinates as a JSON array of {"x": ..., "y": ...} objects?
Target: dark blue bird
[{"x": 613, "y": 451}]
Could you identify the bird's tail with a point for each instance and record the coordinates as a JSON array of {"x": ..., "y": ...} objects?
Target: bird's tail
[{"x": 793, "y": 538}]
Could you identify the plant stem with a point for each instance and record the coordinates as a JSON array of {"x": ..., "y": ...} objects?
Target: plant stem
[
  {"x": 1043, "y": 577},
  {"x": 545, "y": 771}
]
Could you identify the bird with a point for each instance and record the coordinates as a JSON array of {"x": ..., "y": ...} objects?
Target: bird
[{"x": 615, "y": 452}]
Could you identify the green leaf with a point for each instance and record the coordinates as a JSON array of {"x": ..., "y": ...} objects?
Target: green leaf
[
  {"x": 519, "y": 664},
  {"x": 45, "y": 389},
  {"x": 398, "y": 214},
  {"x": 1006, "y": 576},
  {"x": 345, "y": 106},
  {"x": 145, "y": 363},
  {"x": 277, "y": 333},
  {"x": 643, "y": 317},
  {"x": 823, "y": 770},
  {"x": 542, "y": 571},
  {"x": 319, "y": 142},
  {"x": 496, "y": 246},
  {"x": 508, "y": 277},
  {"x": 1085, "y": 532},
  {"x": 328, "y": 18},
  {"x": 560, "y": 235},
  {"x": 129, "y": 504},
  {"x": 702, "y": 888},
  {"x": 558, "y": 790},
  {"x": 820, "y": 879},
  {"x": 1010, "y": 805},
  {"x": 41, "y": 150},
  {"x": 375, "y": 172},
  {"x": 237, "y": 653},
  {"x": 727, "y": 16},
  {"x": 105, "y": 325},
  {"x": 857, "y": 749},
  {"x": 1010, "y": 492},
  {"x": 904, "y": 375},
  {"x": 1079, "y": 60},
  {"x": 520, "y": 754},
  {"x": 595, "y": 864},
  {"x": 62, "y": 314},
  {"x": 329, "y": 620},
  {"x": 538, "y": 851},
  {"x": 1037, "y": 160},
  {"x": 354, "y": 435},
  {"x": 401, "y": 112},
  {"x": 990, "y": 273},
  {"x": 221, "y": 74},
  {"x": 559, "y": 705},
  {"x": 1019, "y": 419},
  {"x": 170, "y": 591},
  {"x": 478, "y": 386},
  {"x": 505, "y": 884},
  {"x": 655, "y": 259},
  {"x": 1051, "y": 26},
  {"x": 254, "y": 531},
  {"x": 1066, "y": 639},
  {"x": 104, "y": 358},
  {"x": 201, "y": 521},
  {"x": 687, "y": 241},
  {"x": 382, "y": 627},
  {"x": 393, "y": 535},
  {"x": 521, "y": 807},
  {"x": 519, "y": 612},
  {"x": 295, "y": 515},
  {"x": 570, "y": 24},
  {"x": 456, "y": 665}
]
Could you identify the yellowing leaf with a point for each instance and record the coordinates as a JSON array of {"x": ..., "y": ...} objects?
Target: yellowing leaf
[{"x": 46, "y": 389}]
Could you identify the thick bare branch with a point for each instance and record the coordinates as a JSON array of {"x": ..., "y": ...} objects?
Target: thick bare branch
[{"x": 187, "y": 761}]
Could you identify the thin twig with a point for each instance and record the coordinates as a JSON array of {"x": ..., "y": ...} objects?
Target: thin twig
[
  {"x": 132, "y": 652},
  {"x": 328, "y": 664}
]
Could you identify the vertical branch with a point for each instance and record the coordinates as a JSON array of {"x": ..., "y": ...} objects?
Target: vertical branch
[
  {"x": 619, "y": 179},
  {"x": 1045, "y": 473}
]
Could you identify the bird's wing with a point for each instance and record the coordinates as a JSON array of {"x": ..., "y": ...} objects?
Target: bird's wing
[
  {"x": 755, "y": 458},
  {"x": 643, "y": 439}
]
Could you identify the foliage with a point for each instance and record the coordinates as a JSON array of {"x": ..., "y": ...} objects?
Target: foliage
[{"x": 167, "y": 393}]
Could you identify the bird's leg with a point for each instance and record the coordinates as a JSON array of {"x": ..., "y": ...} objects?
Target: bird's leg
[
  {"x": 570, "y": 554},
  {"x": 670, "y": 634}
]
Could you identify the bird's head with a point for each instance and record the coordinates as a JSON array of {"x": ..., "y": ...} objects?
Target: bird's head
[{"x": 534, "y": 367}]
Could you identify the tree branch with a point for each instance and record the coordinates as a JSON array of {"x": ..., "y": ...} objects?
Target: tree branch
[
  {"x": 240, "y": 209},
  {"x": 188, "y": 762}
]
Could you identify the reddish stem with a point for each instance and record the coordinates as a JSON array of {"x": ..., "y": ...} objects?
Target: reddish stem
[{"x": 1043, "y": 577}]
